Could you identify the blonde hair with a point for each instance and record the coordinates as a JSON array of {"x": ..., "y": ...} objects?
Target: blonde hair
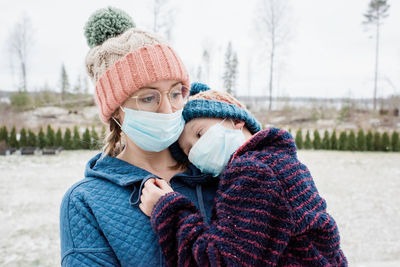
[{"x": 113, "y": 140}]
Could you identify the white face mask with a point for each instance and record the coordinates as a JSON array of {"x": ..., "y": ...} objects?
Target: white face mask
[
  {"x": 152, "y": 131},
  {"x": 213, "y": 150}
]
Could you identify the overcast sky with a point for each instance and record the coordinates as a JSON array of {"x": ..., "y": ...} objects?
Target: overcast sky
[{"x": 329, "y": 54}]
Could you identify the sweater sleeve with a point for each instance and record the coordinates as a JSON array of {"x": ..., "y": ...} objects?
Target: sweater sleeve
[
  {"x": 82, "y": 243},
  {"x": 251, "y": 226}
]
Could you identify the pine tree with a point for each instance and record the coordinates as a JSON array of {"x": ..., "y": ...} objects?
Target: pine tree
[
  {"x": 4, "y": 134},
  {"x": 361, "y": 141},
  {"x": 86, "y": 142},
  {"x": 59, "y": 140},
  {"x": 32, "y": 139},
  {"x": 230, "y": 73},
  {"x": 395, "y": 141},
  {"x": 67, "y": 140},
  {"x": 317, "y": 140},
  {"x": 369, "y": 141},
  {"x": 385, "y": 142},
  {"x": 351, "y": 141},
  {"x": 95, "y": 139},
  {"x": 50, "y": 137},
  {"x": 12, "y": 141},
  {"x": 76, "y": 140},
  {"x": 64, "y": 82},
  {"x": 41, "y": 138},
  {"x": 376, "y": 13},
  {"x": 343, "y": 141},
  {"x": 307, "y": 142},
  {"x": 326, "y": 144},
  {"x": 377, "y": 141},
  {"x": 23, "y": 139},
  {"x": 103, "y": 133},
  {"x": 334, "y": 141},
  {"x": 299, "y": 139}
]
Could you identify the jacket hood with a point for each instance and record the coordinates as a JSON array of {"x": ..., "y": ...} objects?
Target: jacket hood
[
  {"x": 270, "y": 139},
  {"x": 123, "y": 173}
]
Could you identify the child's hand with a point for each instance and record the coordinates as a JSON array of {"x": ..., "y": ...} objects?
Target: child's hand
[{"x": 152, "y": 191}]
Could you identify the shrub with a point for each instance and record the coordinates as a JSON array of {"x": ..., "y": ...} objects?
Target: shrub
[
  {"x": 86, "y": 139},
  {"x": 334, "y": 141},
  {"x": 317, "y": 140},
  {"x": 12, "y": 141},
  {"x": 326, "y": 141},
  {"x": 299, "y": 139},
  {"x": 67, "y": 140},
  {"x": 307, "y": 142},
  {"x": 50, "y": 137},
  {"x": 395, "y": 141},
  {"x": 95, "y": 139},
  {"x": 32, "y": 139},
  {"x": 4, "y": 134},
  {"x": 377, "y": 141},
  {"x": 21, "y": 100},
  {"x": 343, "y": 141},
  {"x": 361, "y": 141},
  {"x": 385, "y": 142},
  {"x": 76, "y": 140},
  {"x": 59, "y": 140},
  {"x": 41, "y": 138},
  {"x": 351, "y": 141},
  {"x": 23, "y": 139},
  {"x": 369, "y": 140}
]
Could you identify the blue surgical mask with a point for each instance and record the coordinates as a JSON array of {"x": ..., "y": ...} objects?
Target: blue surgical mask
[
  {"x": 211, "y": 153},
  {"x": 152, "y": 131}
]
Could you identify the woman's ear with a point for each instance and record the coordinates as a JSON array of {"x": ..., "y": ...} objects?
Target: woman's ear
[
  {"x": 239, "y": 124},
  {"x": 118, "y": 115}
]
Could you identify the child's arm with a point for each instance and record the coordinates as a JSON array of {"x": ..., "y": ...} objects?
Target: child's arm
[{"x": 252, "y": 223}]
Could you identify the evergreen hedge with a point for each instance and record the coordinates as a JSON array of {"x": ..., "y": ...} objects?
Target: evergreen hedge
[{"x": 90, "y": 139}]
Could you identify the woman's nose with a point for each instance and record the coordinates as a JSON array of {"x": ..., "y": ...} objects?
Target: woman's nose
[{"x": 165, "y": 105}]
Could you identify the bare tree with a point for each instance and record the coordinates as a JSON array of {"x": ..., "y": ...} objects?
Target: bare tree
[
  {"x": 377, "y": 11},
  {"x": 20, "y": 42},
  {"x": 273, "y": 25},
  {"x": 163, "y": 18}
]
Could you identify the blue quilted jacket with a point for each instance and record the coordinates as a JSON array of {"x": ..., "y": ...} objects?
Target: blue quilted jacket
[{"x": 101, "y": 223}]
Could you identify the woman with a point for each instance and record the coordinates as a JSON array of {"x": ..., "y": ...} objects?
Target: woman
[{"x": 141, "y": 87}]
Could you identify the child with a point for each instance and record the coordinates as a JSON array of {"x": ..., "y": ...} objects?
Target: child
[{"x": 267, "y": 209}]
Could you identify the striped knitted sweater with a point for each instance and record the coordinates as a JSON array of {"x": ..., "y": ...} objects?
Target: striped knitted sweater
[{"x": 267, "y": 213}]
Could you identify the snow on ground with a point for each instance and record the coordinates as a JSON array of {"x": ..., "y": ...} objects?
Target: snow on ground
[{"x": 362, "y": 191}]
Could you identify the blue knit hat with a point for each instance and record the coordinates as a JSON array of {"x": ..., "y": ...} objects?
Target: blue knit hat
[{"x": 207, "y": 103}]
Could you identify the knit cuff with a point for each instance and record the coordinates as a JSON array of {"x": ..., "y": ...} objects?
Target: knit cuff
[
  {"x": 168, "y": 207},
  {"x": 135, "y": 70}
]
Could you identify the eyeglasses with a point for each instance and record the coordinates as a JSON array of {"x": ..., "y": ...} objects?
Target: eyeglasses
[{"x": 150, "y": 99}]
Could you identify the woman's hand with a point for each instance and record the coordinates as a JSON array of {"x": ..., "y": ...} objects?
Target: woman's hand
[{"x": 152, "y": 191}]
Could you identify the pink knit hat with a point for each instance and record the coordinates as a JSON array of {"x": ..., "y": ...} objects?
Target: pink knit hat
[{"x": 120, "y": 65}]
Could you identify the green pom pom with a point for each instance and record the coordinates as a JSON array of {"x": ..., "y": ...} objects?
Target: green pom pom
[{"x": 106, "y": 23}]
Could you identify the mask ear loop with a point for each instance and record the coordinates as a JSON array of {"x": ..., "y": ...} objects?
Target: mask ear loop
[
  {"x": 233, "y": 124},
  {"x": 116, "y": 119}
]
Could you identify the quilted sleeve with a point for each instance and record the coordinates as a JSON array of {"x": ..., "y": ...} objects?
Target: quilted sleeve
[
  {"x": 82, "y": 243},
  {"x": 252, "y": 224}
]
